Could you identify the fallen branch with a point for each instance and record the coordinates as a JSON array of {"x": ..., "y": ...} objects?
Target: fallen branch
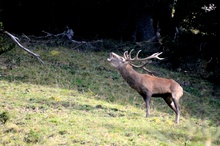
[
  {"x": 69, "y": 34},
  {"x": 16, "y": 40}
]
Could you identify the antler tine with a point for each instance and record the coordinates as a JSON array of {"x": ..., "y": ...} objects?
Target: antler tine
[
  {"x": 155, "y": 55},
  {"x": 139, "y": 66},
  {"x": 130, "y": 54},
  {"x": 126, "y": 54},
  {"x": 143, "y": 67},
  {"x": 135, "y": 58}
]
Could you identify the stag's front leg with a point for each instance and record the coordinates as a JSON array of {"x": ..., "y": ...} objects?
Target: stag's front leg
[
  {"x": 147, "y": 98},
  {"x": 147, "y": 102}
]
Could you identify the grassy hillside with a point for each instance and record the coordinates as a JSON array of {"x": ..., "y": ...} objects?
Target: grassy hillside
[{"x": 77, "y": 98}]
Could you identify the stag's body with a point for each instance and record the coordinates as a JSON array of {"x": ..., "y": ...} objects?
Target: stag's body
[{"x": 147, "y": 85}]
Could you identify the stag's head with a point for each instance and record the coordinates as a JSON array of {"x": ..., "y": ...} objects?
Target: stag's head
[{"x": 118, "y": 61}]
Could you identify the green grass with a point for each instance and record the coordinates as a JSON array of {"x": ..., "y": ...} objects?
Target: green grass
[{"x": 77, "y": 98}]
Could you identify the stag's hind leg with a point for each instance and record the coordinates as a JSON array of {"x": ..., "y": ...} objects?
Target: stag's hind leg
[
  {"x": 176, "y": 95},
  {"x": 177, "y": 106},
  {"x": 173, "y": 103}
]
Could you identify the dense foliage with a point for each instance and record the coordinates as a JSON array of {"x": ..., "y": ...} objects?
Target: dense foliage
[{"x": 188, "y": 29}]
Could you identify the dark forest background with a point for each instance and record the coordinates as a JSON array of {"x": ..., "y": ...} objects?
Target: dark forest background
[{"x": 186, "y": 29}]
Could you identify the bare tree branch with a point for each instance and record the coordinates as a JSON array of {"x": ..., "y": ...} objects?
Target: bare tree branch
[
  {"x": 69, "y": 34},
  {"x": 16, "y": 40}
]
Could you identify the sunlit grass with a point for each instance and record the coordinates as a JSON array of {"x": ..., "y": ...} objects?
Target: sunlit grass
[{"x": 76, "y": 98}]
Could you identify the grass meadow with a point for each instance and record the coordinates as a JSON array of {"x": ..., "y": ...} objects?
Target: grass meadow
[{"x": 76, "y": 98}]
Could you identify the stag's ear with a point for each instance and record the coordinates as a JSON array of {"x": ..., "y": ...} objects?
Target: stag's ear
[{"x": 123, "y": 59}]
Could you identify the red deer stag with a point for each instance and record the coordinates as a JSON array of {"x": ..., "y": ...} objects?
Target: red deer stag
[{"x": 147, "y": 85}]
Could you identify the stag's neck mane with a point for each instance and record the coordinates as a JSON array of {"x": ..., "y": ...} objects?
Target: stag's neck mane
[{"x": 130, "y": 75}]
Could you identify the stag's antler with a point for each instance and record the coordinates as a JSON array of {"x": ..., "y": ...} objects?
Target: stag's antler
[
  {"x": 136, "y": 58},
  {"x": 128, "y": 56}
]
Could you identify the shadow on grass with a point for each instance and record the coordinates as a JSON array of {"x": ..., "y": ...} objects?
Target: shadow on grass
[{"x": 43, "y": 104}]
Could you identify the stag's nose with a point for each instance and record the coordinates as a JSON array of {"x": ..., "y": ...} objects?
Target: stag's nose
[{"x": 110, "y": 57}]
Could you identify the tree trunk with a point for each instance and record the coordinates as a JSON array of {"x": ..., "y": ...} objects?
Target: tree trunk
[{"x": 143, "y": 28}]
